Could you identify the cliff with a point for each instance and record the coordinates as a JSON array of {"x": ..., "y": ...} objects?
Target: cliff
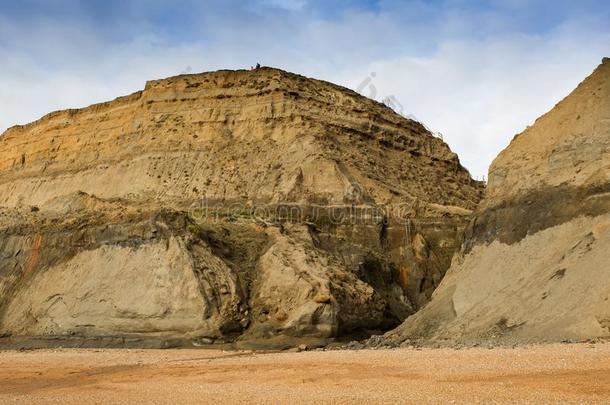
[
  {"x": 535, "y": 263},
  {"x": 224, "y": 206}
]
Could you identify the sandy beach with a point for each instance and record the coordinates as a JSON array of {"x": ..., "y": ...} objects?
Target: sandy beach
[{"x": 555, "y": 373}]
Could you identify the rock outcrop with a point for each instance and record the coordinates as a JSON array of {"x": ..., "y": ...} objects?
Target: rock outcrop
[
  {"x": 535, "y": 266},
  {"x": 224, "y": 206}
]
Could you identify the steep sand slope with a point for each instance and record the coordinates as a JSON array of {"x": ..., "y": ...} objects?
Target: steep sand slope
[{"x": 536, "y": 262}]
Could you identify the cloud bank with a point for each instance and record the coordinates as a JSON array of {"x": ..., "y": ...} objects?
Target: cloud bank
[{"x": 477, "y": 71}]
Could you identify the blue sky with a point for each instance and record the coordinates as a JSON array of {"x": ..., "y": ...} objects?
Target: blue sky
[{"x": 477, "y": 71}]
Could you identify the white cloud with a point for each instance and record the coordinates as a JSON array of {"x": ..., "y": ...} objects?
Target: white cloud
[
  {"x": 479, "y": 94},
  {"x": 478, "y": 90}
]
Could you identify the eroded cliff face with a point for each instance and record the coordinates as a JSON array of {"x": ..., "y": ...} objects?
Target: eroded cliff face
[
  {"x": 226, "y": 205},
  {"x": 108, "y": 269},
  {"x": 263, "y": 135},
  {"x": 535, "y": 265}
]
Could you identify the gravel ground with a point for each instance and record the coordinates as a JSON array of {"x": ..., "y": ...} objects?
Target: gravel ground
[{"x": 556, "y": 373}]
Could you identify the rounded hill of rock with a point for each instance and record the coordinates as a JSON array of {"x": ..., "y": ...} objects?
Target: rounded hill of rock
[
  {"x": 233, "y": 206},
  {"x": 261, "y": 135}
]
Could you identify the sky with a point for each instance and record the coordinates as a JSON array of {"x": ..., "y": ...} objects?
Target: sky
[{"x": 476, "y": 71}]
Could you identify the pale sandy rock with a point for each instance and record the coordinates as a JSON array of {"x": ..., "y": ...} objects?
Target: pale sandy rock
[
  {"x": 304, "y": 291},
  {"x": 150, "y": 288},
  {"x": 140, "y": 275}
]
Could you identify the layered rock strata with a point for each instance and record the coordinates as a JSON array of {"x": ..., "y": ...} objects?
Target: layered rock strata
[{"x": 218, "y": 205}]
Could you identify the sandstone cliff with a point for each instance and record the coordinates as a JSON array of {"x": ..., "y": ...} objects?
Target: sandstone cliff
[
  {"x": 225, "y": 204},
  {"x": 536, "y": 262}
]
